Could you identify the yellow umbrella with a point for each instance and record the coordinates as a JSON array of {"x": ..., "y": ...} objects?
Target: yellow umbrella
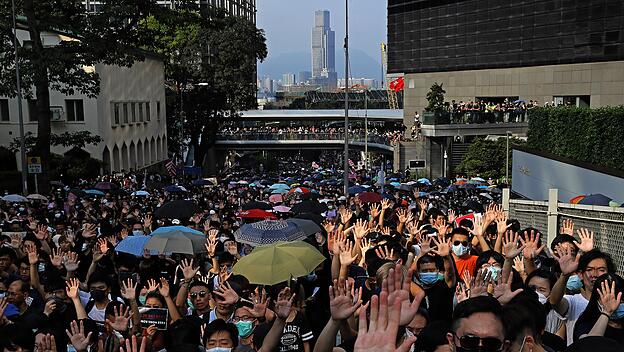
[{"x": 270, "y": 265}]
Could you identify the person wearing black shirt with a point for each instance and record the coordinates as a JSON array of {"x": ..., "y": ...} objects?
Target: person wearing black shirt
[{"x": 439, "y": 288}]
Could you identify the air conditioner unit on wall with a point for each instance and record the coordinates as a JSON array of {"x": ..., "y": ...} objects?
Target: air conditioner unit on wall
[{"x": 57, "y": 113}]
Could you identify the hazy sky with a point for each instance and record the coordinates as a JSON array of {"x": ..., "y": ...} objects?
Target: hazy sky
[{"x": 288, "y": 24}]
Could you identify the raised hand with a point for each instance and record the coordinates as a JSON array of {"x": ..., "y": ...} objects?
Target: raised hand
[
  {"x": 260, "y": 302},
  {"x": 89, "y": 231},
  {"x": 42, "y": 232},
  {"x": 451, "y": 216},
  {"x": 47, "y": 344},
  {"x": 328, "y": 226},
  {"x": 131, "y": 345},
  {"x": 120, "y": 320},
  {"x": 346, "y": 254},
  {"x": 510, "y": 245},
  {"x": 225, "y": 294},
  {"x": 33, "y": 256},
  {"x": 211, "y": 246},
  {"x": 360, "y": 229},
  {"x": 57, "y": 258},
  {"x": 568, "y": 263},
  {"x": 339, "y": 239},
  {"x": 374, "y": 210},
  {"x": 383, "y": 253},
  {"x": 587, "y": 240},
  {"x": 530, "y": 242},
  {"x": 232, "y": 248},
  {"x": 518, "y": 265},
  {"x": 425, "y": 245},
  {"x": 479, "y": 285},
  {"x": 567, "y": 227},
  {"x": 77, "y": 336},
  {"x": 345, "y": 216},
  {"x": 462, "y": 293},
  {"x": 207, "y": 226},
  {"x": 381, "y": 334},
  {"x": 71, "y": 262},
  {"x": 501, "y": 223},
  {"x": 385, "y": 204},
  {"x": 365, "y": 245},
  {"x": 188, "y": 271},
  {"x": 443, "y": 247},
  {"x": 16, "y": 240},
  {"x": 147, "y": 222},
  {"x": 609, "y": 302},
  {"x": 123, "y": 233},
  {"x": 398, "y": 289},
  {"x": 164, "y": 287},
  {"x": 478, "y": 228},
  {"x": 128, "y": 289},
  {"x": 502, "y": 289},
  {"x": 72, "y": 288},
  {"x": 284, "y": 303},
  {"x": 402, "y": 215},
  {"x": 342, "y": 304},
  {"x": 423, "y": 204}
]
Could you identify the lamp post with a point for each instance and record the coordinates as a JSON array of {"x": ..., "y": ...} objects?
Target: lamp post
[
  {"x": 507, "y": 134},
  {"x": 366, "y": 130},
  {"x": 346, "y": 117},
  {"x": 19, "y": 106}
]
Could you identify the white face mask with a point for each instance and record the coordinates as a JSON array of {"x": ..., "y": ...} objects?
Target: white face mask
[
  {"x": 408, "y": 333},
  {"x": 541, "y": 297},
  {"x": 219, "y": 349}
]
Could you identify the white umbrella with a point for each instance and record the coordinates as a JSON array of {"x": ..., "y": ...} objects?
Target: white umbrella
[{"x": 36, "y": 196}]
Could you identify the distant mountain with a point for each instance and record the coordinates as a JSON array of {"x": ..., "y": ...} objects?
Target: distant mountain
[{"x": 362, "y": 65}]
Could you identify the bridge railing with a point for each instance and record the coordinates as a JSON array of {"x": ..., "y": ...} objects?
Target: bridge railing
[
  {"x": 607, "y": 223},
  {"x": 302, "y": 137}
]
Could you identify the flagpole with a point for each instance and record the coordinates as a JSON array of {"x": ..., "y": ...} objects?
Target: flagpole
[{"x": 346, "y": 117}]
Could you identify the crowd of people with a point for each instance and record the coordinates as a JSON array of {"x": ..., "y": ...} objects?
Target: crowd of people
[
  {"x": 438, "y": 267},
  {"x": 492, "y": 112},
  {"x": 378, "y": 134}
]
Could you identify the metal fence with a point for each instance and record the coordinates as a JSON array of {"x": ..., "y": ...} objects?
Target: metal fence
[
  {"x": 303, "y": 137},
  {"x": 607, "y": 223}
]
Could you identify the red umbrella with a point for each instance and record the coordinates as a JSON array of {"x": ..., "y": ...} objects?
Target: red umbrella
[
  {"x": 577, "y": 199},
  {"x": 369, "y": 197},
  {"x": 256, "y": 214},
  {"x": 299, "y": 190},
  {"x": 276, "y": 198}
]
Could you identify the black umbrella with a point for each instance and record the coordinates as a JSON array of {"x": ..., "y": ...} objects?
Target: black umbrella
[
  {"x": 257, "y": 205},
  {"x": 473, "y": 205},
  {"x": 318, "y": 219},
  {"x": 177, "y": 209},
  {"x": 309, "y": 206}
]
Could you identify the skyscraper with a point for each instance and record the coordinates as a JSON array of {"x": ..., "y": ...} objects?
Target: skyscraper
[
  {"x": 323, "y": 50},
  {"x": 288, "y": 79}
]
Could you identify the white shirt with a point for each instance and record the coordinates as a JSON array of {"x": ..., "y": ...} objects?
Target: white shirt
[{"x": 576, "y": 306}]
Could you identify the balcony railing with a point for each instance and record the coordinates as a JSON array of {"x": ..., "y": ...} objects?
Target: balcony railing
[
  {"x": 476, "y": 117},
  {"x": 250, "y": 136}
]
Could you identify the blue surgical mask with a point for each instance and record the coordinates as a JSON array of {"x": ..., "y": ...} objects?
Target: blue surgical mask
[
  {"x": 311, "y": 277},
  {"x": 574, "y": 283},
  {"x": 619, "y": 313},
  {"x": 219, "y": 349},
  {"x": 142, "y": 300},
  {"x": 245, "y": 328},
  {"x": 460, "y": 250},
  {"x": 495, "y": 272},
  {"x": 428, "y": 278},
  {"x": 138, "y": 233},
  {"x": 190, "y": 304}
]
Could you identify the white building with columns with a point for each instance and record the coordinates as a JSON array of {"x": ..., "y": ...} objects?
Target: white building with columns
[{"x": 129, "y": 113}]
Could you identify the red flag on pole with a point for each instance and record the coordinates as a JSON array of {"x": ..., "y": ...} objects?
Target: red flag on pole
[{"x": 398, "y": 84}]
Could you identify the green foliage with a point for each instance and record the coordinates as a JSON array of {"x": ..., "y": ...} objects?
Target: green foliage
[
  {"x": 77, "y": 140},
  {"x": 435, "y": 97},
  {"x": 487, "y": 158},
  {"x": 7, "y": 160},
  {"x": 72, "y": 167},
  {"x": 583, "y": 134}
]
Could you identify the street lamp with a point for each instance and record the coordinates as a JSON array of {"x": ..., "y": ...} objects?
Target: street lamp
[
  {"x": 19, "y": 106},
  {"x": 346, "y": 117},
  {"x": 507, "y": 134}
]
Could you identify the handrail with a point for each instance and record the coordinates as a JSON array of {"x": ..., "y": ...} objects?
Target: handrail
[{"x": 251, "y": 136}]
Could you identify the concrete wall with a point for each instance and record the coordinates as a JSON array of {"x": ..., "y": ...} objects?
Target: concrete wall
[{"x": 604, "y": 82}]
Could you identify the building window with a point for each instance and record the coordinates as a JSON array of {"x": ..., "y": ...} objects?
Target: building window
[
  {"x": 4, "y": 110},
  {"x": 158, "y": 110},
  {"x": 125, "y": 113},
  {"x": 147, "y": 111},
  {"x": 115, "y": 114},
  {"x": 32, "y": 110},
  {"x": 75, "y": 110},
  {"x": 140, "y": 112},
  {"x": 133, "y": 111}
]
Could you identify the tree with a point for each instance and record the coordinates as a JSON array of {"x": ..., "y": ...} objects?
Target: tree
[
  {"x": 110, "y": 37},
  {"x": 487, "y": 158},
  {"x": 435, "y": 97},
  {"x": 211, "y": 67},
  {"x": 75, "y": 140}
]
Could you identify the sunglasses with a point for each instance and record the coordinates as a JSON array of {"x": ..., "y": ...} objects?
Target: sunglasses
[
  {"x": 474, "y": 343},
  {"x": 201, "y": 294},
  {"x": 463, "y": 243}
]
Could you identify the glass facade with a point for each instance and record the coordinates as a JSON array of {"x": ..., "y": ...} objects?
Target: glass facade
[{"x": 452, "y": 35}]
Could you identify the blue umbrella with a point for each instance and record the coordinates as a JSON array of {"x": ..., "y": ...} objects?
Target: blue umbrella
[
  {"x": 175, "y": 189},
  {"x": 16, "y": 198},
  {"x": 424, "y": 181},
  {"x": 176, "y": 229},
  {"x": 132, "y": 245},
  {"x": 356, "y": 189},
  {"x": 140, "y": 194},
  {"x": 94, "y": 192},
  {"x": 202, "y": 182},
  {"x": 395, "y": 184},
  {"x": 279, "y": 191},
  {"x": 596, "y": 199},
  {"x": 268, "y": 232},
  {"x": 279, "y": 186}
]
